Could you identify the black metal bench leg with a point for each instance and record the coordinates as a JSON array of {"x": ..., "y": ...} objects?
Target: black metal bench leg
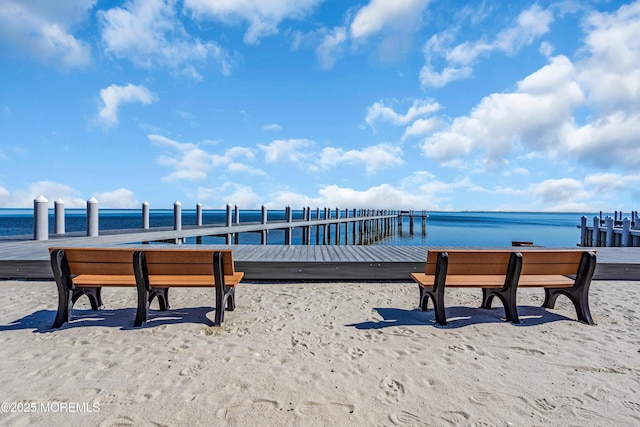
[
  {"x": 231, "y": 298},
  {"x": 507, "y": 294},
  {"x": 65, "y": 305},
  {"x": 143, "y": 287},
  {"x": 94, "y": 295},
  {"x": 579, "y": 293},
  {"x": 142, "y": 312},
  {"x": 163, "y": 297},
  {"x": 218, "y": 278}
]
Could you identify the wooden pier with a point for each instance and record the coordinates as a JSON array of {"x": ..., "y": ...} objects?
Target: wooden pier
[
  {"x": 610, "y": 231},
  {"x": 342, "y": 250}
]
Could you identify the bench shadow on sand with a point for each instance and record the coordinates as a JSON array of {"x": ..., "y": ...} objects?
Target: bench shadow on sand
[
  {"x": 122, "y": 318},
  {"x": 459, "y": 317}
]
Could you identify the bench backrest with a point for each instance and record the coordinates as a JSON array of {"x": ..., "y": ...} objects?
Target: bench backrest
[
  {"x": 561, "y": 262},
  {"x": 108, "y": 261},
  {"x": 471, "y": 262},
  {"x": 545, "y": 262},
  {"x": 185, "y": 262}
]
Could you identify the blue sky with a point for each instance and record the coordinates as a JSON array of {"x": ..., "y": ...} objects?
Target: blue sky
[{"x": 404, "y": 104}]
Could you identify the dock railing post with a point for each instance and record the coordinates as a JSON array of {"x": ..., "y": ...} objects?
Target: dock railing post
[
  {"x": 609, "y": 237},
  {"x": 595, "y": 239},
  {"x": 263, "y": 233},
  {"x": 58, "y": 213},
  {"x": 228, "y": 224},
  {"x": 40, "y": 218},
  {"x": 93, "y": 227},
  {"x": 236, "y": 221},
  {"x": 626, "y": 232},
  {"x": 583, "y": 231},
  {"x": 177, "y": 219},
  {"x": 145, "y": 215},
  {"x": 289, "y": 218},
  {"x": 199, "y": 214},
  {"x": 177, "y": 215}
]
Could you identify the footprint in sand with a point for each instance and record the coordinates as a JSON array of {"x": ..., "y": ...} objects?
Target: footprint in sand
[
  {"x": 249, "y": 409},
  {"x": 408, "y": 419},
  {"x": 313, "y": 408},
  {"x": 392, "y": 390},
  {"x": 355, "y": 353}
]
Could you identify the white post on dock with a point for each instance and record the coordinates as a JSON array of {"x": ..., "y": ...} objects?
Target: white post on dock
[
  {"x": 263, "y": 220},
  {"x": 595, "y": 240},
  {"x": 145, "y": 215},
  {"x": 583, "y": 231},
  {"x": 40, "y": 218},
  {"x": 626, "y": 232},
  {"x": 93, "y": 224},
  {"x": 228, "y": 224},
  {"x": 609, "y": 225},
  {"x": 177, "y": 215},
  {"x": 288, "y": 232},
  {"x": 199, "y": 214},
  {"x": 58, "y": 213}
]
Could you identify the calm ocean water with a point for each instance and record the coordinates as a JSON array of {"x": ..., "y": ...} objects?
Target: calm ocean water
[{"x": 442, "y": 228}]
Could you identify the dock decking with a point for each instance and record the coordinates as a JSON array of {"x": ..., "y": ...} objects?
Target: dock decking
[{"x": 29, "y": 259}]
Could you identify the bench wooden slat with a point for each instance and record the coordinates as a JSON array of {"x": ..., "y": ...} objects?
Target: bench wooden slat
[
  {"x": 461, "y": 281},
  {"x": 96, "y": 280}
]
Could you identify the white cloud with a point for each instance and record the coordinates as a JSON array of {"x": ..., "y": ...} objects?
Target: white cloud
[
  {"x": 272, "y": 127},
  {"x": 190, "y": 162},
  {"x": 263, "y": 17},
  {"x": 378, "y": 112},
  {"x": 329, "y": 49},
  {"x": 374, "y": 158},
  {"x": 148, "y": 33},
  {"x": 114, "y": 96},
  {"x": 381, "y": 14},
  {"x": 52, "y": 191},
  {"x": 564, "y": 190},
  {"x": 290, "y": 150},
  {"x": 610, "y": 72},
  {"x": 43, "y": 30},
  {"x": 538, "y": 116},
  {"x": 530, "y": 25},
  {"x": 121, "y": 198},
  {"x": 422, "y": 127}
]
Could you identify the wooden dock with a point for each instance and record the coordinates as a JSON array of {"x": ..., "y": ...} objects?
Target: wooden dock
[{"x": 29, "y": 259}]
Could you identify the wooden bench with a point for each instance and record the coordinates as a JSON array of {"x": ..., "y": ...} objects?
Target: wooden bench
[
  {"x": 500, "y": 272},
  {"x": 85, "y": 271},
  {"x": 158, "y": 269}
]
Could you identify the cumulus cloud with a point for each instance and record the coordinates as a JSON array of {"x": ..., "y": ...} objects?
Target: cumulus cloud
[
  {"x": 529, "y": 26},
  {"x": 374, "y": 158},
  {"x": 538, "y": 116},
  {"x": 381, "y": 14},
  {"x": 286, "y": 150},
  {"x": 121, "y": 198},
  {"x": 189, "y": 162},
  {"x": 52, "y": 191},
  {"x": 263, "y": 17},
  {"x": 379, "y": 112},
  {"x": 44, "y": 30},
  {"x": 114, "y": 96},
  {"x": 192, "y": 163},
  {"x": 272, "y": 127},
  {"x": 148, "y": 33},
  {"x": 330, "y": 48}
]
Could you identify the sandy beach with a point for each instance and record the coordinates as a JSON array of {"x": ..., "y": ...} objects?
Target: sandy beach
[{"x": 319, "y": 354}]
